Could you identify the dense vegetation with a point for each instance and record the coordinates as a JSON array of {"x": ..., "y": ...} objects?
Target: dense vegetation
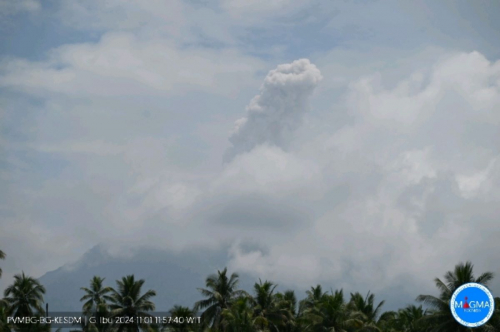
[{"x": 224, "y": 307}]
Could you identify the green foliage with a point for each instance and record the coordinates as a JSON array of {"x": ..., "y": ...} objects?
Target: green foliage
[
  {"x": 440, "y": 318},
  {"x": 228, "y": 309},
  {"x": 96, "y": 305},
  {"x": 25, "y": 296},
  {"x": 220, "y": 293},
  {"x": 181, "y": 313},
  {"x": 239, "y": 317},
  {"x": 409, "y": 319},
  {"x": 4, "y": 325},
  {"x": 128, "y": 301},
  {"x": 96, "y": 296},
  {"x": 271, "y": 314},
  {"x": 326, "y": 312}
]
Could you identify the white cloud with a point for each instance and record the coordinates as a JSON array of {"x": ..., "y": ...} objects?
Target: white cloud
[
  {"x": 393, "y": 188},
  {"x": 268, "y": 169},
  {"x": 470, "y": 185},
  {"x": 290, "y": 267},
  {"x": 398, "y": 166},
  {"x": 122, "y": 64}
]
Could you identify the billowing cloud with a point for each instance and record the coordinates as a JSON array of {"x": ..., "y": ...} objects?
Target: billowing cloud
[
  {"x": 405, "y": 183},
  {"x": 274, "y": 114}
]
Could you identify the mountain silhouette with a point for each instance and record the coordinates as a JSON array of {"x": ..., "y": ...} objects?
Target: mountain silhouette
[{"x": 174, "y": 276}]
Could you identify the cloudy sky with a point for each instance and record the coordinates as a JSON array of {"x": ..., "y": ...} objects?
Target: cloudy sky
[{"x": 349, "y": 142}]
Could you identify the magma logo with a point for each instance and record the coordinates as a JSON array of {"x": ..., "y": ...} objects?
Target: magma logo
[{"x": 472, "y": 305}]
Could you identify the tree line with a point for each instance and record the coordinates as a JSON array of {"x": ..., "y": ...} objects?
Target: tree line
[{"x": 224, "y": 307}]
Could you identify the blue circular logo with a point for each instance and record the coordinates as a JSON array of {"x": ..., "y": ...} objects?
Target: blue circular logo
[{"x": 472, "y": 304}]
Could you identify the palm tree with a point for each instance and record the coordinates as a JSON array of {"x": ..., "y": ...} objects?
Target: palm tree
[
  {"x": 308, "y": 315},
  {"x": 364, "y": 313},
  {"x": 266, "y": 307},
  {"x": 128, "y": 302},
  {"x": 408, "y": 319},
  {"x": 440, "y": 317},
  {"x": 2, "y": 256},
  {"x": 25, "y": 296},
  {"x": 180, "y": 312},
  {"x": 95, "y": 296},
  {"x": 288, "y": 301},
  {"x": 332, "y": 310},
  {"x": 239, "y": 317},
  {"x": 5, "y": 326},
  {"x": 314, "y": 296},
  {"x": 220, "y": 292}
]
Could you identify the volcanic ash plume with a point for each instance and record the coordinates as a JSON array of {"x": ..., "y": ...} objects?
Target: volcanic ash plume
[{"x": 277, "y": 111}]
